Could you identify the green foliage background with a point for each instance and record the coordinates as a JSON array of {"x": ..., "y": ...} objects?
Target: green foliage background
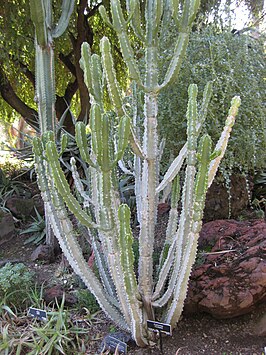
[{"x": 236, "y": 66}]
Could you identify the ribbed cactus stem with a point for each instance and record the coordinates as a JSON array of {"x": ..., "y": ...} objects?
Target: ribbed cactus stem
[
  {"x": 187, "y": 194},
  {"x": 63, "y": 187},
  {"x": 120, "y": 25},
  {"x": 38, "y": 17},
  {"x": 87, "y": 202},
  {"x": 173, "y": 214},
  {"x": 123, "y": 137},
  {"x": 127, "y": 261},
  {"x": 177, "y": 163},
  {"x": 82, "y": 143},
  {"x": 85, "y": 64},
  {"x": 223, "y": 141},
  {"x": 45, "y": 87},
  {"x": 41, "y": 14},
  {"x": 63, "y": 143},
  {"x": 133, "y": 6},
  {"x": 108, "y": 65},
  {"x": 172, "y": 221},
  {"x": 187, "y": 201},
  {"x": 190, "y": 249},
  {"x": 67, "y": 9},
  {"x": 64, "y": 231},
  {"x": 148, "y": 204}
]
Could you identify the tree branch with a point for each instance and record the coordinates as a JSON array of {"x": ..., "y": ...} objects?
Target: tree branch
[
  {"x": 92, "y": 11},
  {"x": 84, "y": 33},
  {"x": 9, "y": 95},
  {"x": 65, "y": 59},
  {"x": 24, "y": 69},
  {"x": 71, "y": 89}
]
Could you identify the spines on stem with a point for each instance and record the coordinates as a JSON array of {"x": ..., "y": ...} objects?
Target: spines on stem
[
  {"x": 207, "y": 94},
  {"x": 127, "y": 262},
  {"x": 109, "y": 71},
  {"x": 85, "y": 64},
  {"x": 63, "y": 143},
  {"x": 223, "y": 140},
  {"x": 96, "y": 132},
  {"x": 120, "y": 26},
  {"x": 126, "y": 251},
  {"x": 63, "y": 187},
  {"x": 66, "y": 11},
  {"x": 133, "y": 6},
  {"x": 123, "y": 137},
  {"x": 172, "y": 220},
  {"x": 96, "y": 77},
  {"x": 82, "y": 143},
  {"x": 38, "y": 17},
  {"x": 176, "y": 61}
]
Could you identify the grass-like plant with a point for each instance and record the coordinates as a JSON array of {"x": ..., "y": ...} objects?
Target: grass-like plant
[{"x": 58, "y": 335}]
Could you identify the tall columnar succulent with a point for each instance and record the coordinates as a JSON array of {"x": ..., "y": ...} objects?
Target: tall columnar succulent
[
  {"x": 45, "y": 32},
  {"x": 129, "y": 297}
]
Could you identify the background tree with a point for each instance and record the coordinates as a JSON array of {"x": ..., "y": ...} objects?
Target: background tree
[{"x": 17, "y": 74}]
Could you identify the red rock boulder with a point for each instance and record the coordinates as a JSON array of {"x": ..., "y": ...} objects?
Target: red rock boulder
[{"x": 229, "y": 276}]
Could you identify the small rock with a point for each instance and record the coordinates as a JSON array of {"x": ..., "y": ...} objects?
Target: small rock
[
  {"x": 7, "y": 227},
  {"x": 42, "y": 253},
  {"x": 20, "y": 207},
  {"x": 56, "y": 293},
  {"x": 260, "y": 327}
]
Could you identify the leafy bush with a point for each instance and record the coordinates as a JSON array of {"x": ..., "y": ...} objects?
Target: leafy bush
[
  {"x": 235, "y": 65},
  {"x": 15, "y": 281}
]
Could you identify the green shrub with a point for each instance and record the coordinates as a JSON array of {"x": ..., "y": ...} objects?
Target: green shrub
[
  {"x": 15, "y": 281},
  {"x": 235, "y": 65}
]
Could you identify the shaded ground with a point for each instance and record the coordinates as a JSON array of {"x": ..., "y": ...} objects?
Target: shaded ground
[{"x": 202, "y": 334}]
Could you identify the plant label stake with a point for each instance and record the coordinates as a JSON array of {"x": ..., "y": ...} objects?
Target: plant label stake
[
  {"x": 161, "y": 328},
  {"x": 113, "y": 344},
  {"x": 37, "y": 313}
]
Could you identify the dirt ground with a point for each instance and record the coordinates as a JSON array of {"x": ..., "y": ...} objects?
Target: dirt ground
[
  {"x": 195, "y": 334},
  {"x": 202, "y": 334}
]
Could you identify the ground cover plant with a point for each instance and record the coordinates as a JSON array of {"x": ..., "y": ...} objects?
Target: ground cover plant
[
  {"x": 15, "y": 282},
  {"x": 129, "y": 298}
]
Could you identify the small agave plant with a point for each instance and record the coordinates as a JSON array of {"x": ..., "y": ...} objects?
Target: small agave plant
[{"x": 127, "y": 296}]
